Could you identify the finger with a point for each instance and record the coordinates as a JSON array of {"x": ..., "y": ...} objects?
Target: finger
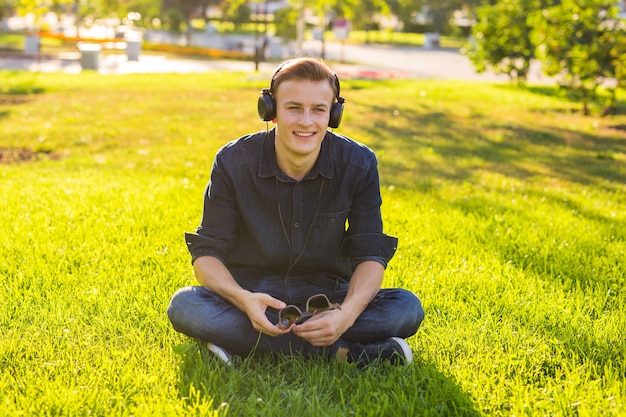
[
  {"x": 271, "y": 329},
  {"x": 315, "y": 323},
  {"x": 324, "y": 341},
  {"x": 274, "y": 302},
  {"x": 313, "y": 334}
]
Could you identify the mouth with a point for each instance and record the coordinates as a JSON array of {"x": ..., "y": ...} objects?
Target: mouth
[{"x": 304, "y": 134}]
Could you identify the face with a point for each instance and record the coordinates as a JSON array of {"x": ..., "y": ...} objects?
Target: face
[{"x": 302, "y": 114}]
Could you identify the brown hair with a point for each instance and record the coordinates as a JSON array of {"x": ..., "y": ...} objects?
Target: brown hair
[{"x": 310, "y": 69}]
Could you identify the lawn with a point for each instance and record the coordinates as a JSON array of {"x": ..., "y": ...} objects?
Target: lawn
[{"x": 509, "y": 205}]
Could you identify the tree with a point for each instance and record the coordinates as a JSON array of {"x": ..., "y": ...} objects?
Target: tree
[
  {"x": 284, "y": 21},
  {"x": 502, "y": 38},
  {"x": 5, "y": 8},
  {"x": 364, "y": 15},
  {"x": 236, "y": 11},
  {"x": 148, "y": 9},
  {"x": 37, "y": 8},
  {"x": 440, "y": 11},
  {"x": 289, "y": 21},
  {"x": 580, "y": 43},
  {"x": 187, "y": 8},
  {"x": 620, "y": 66}
]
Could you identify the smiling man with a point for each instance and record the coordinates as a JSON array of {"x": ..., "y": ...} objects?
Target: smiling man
[{"x": 290, "y": 253}]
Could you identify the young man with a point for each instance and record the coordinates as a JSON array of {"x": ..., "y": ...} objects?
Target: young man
[{"x": 293, "y": 214}]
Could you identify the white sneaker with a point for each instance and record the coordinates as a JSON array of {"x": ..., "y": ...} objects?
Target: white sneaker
[
  {"x": 220, "y": 353},
  {"x": 406, "y": 350}
]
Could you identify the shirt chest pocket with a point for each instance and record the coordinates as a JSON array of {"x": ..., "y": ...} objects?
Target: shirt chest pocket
[
  {"x": 332, "y": 221},
  {"x": 328, "y": 232}
]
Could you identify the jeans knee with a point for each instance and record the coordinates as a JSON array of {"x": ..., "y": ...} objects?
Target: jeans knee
[
  {"x": 419, "y": 316},
  {"x": 177, "y": 305},
  {"x": 414, "y": 312}
]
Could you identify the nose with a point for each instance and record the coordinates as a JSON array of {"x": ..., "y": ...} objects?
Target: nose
[{"x": 306, "y": 118}]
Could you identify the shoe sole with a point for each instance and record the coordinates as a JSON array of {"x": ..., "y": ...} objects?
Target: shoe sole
[
  {"x": 220, "y": 353},
  {"x": 406, "y": 350}
]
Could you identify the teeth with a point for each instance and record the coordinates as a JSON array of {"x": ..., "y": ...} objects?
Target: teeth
[{"x": 303, "y": 134}]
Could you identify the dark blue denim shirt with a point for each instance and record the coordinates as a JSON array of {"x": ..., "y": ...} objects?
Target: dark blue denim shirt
[{"x": 258, "y": 221}]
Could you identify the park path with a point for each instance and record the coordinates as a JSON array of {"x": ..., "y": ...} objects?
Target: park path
[{"x": 349, "y": 61}]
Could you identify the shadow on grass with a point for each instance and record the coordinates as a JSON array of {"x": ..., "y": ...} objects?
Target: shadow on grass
[
  {"x": 421, "y": 147},
  {"x": 597, "y": 101},
  {"x": 569, "y": 263},
  {"x": 15, "y": 89},
  {"x": 15, "y": 83},
  {"x": 577, "y": 264},
  {"x": 11, "y": 100},
  {"x": 294, "y": 386},
  {"x": 550, "y": 91}
]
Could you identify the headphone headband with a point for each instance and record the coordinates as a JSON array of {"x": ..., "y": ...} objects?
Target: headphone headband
[
  {"x": 280, "y": 67},
  {"x": 266, "y": 105}
]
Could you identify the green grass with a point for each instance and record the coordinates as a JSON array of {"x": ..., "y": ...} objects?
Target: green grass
[
  {"x": 510, "y": 208},
  {"x": 14, "y": 42},
  {"x": 386, "y": 37},
  {"x": 11, "y": 41}
]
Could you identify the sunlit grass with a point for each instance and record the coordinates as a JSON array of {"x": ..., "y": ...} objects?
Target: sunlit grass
[
  {"x": 395, "y": 38},
  {"x": 510, "y": 208}
]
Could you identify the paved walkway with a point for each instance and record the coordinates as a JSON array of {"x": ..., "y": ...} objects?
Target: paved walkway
[
  {"x": 70, "y": 62},
  {"x": 367, "y": 62},
  {"x": 150, "y": 63}
]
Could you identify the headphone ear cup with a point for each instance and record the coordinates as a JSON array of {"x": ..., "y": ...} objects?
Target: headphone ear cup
[
  {"x": 266, "y": 106},
  {"x": 336, "y": 112}
]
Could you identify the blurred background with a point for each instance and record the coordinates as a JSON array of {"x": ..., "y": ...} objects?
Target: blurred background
[{"x": 579, "y": 45}]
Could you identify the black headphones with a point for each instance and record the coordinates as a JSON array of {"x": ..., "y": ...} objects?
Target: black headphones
[{"x": 267, "y": 105}]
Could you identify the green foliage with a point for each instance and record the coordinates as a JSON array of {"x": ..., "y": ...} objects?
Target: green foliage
[
  {"x": 580, "y": 43},
  {"x": 37, "y": 8},
  {"x": 284, "y": 20},
  {"x": 237, "y": 12},
  {"x": 5, "y": 8},
  {"x": 338, "y": 8},
  {"x": 502, "y": 39},
  {"x": 93, "y": 8},
  {"x": 148, "y": 9},
  {"x": 509, "y": 207},
  {"x": 440, "y": 12},
  {"x": 186, "y": 8},
  {"x": 174, "y": 20},
  {"x": 367, "y": 12}
]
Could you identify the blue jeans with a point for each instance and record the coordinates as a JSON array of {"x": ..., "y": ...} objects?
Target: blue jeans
[{"x": 202, "y": 314}]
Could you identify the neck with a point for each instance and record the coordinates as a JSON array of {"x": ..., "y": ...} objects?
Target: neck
[{"x": 295, "y": 167}]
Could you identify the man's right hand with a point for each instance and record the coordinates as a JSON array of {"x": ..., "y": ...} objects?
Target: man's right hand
[
  {"x": 255, "y": 304},
  {"x": 214, "y": 276}
]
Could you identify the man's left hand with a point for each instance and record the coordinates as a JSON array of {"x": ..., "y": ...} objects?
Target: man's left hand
[{"x": 323, "y": 329}]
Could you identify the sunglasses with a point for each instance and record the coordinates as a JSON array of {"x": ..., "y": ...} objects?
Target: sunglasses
[{"x": 292, "y": 314}]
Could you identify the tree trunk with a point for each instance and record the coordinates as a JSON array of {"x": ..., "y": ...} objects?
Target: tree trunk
[{"x": 585, "y": 97}]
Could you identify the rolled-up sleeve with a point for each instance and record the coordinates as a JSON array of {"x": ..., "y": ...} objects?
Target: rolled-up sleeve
[
  {"x": 364, "y": 239},
  {"x": 220, "y": 219},
  {"x": 362, "y": 247}
]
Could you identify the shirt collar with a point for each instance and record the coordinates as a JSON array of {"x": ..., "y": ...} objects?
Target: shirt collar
[{"x": 267, "y": 160}]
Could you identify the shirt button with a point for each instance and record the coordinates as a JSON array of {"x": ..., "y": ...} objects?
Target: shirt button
[{"x": 296, "y": 225}]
